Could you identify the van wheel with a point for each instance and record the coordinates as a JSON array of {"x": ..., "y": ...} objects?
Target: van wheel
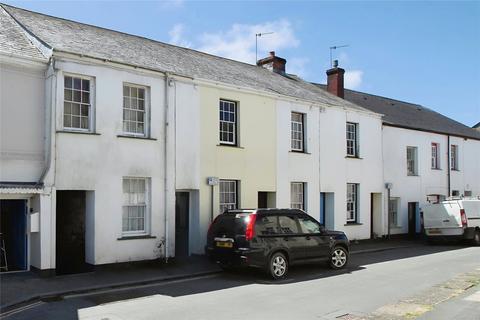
[
  {"x": 278, "y": 266},
  {"x": 339, "y": 258},
  {"x": 476, "y": 238}
]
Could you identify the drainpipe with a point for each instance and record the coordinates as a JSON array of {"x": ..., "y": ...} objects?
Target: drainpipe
[
  {"x": 167, "y": 99},
  {"x": 449, "y": 164},
  {"x": 49, "y": 115}
]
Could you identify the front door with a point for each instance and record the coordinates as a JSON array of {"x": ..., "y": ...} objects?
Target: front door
[
  {"x": 317, "y": 243},
  {"x": 13, "y": 235},
  {"x": 70, "y": 232},
  {"x": 181, "y": 223},
  {"x": 262, "y": 199},
  {"x": 412, "y": 218}
]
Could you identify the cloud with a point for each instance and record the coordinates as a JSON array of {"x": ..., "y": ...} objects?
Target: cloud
[
  {"x": 238, "y": 42},
  {"x": 353, "y": 79},
  {"x": 298, "y": 66},
  {"x": 177, "y": 37}
]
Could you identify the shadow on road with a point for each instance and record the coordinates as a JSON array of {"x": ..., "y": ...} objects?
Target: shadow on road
[{"x": 242, "y": 277}]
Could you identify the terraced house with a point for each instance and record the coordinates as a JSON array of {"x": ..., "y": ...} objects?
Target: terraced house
[{"x": 118, "y": 148}]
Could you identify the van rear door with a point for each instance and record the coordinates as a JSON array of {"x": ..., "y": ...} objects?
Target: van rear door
[{"x": 441, "y": 216}]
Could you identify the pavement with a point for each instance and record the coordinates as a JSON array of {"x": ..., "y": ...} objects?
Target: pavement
[{"x": 19, "y": 289}]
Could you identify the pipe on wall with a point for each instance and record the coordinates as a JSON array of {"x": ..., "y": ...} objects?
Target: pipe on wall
[{"x": 449, "y": 166}]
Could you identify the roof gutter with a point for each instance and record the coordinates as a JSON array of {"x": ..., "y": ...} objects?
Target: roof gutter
[{"x": 427, "y": 130}]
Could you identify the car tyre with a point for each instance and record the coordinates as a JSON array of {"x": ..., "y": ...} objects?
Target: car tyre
[
  {"x": 278, "y": 266},
  {"x": 338, "y": 258},
  {"x": 476, "y": 238}
]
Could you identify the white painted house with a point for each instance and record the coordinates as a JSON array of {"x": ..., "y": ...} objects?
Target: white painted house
[{"x": 426, "y": 158}]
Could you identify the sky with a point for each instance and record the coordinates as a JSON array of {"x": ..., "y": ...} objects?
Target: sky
[{"x": 424, "y": 52}]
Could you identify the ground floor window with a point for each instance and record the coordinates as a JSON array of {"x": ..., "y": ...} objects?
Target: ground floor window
[
  {"x": 228, "y": 195},
  {"x": 135, "y": 206},
  {"x": 352, "y": 202},
  {"x": 393, "y": 211},
  {"x": 297, "y": 195}
]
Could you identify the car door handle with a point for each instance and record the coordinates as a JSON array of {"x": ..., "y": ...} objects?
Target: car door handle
[
  {"x": 446, "y": 220},
  {"x": 285, "y": 238},
  {"x": 308, "y": 237}
]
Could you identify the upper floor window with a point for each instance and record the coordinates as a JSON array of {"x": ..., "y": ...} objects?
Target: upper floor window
[
  {"x": 297, "y": 131},
  {"x": 352, "y": 139},
  {"x": 435, "y": 155},
  {"x": 352, "y": 202},
  {"x": 77, "y": 106},
  {"x": 228, "y": 122},
  {"x": 135, "y": 206},
  {"x": 297, "y": 195},
  {"x": 228, "y": 195},
  {"x": 412, "y": 168},
  {"x": 454, "y": 157},
  {"x": 134, "y": 110}
]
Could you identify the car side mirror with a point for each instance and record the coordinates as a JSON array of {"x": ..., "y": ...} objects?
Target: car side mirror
[{"x": 322, "y": 229}]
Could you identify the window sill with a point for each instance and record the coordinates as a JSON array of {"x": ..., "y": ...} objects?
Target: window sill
[
  {"x": 438, "y": 169},
  {"x": 455, "y": 170},
  {"x": 353, "y": 157},
  {"x": 353, "y": 224},
  {"x": 136, "y": 237},
  {"x": 78, "y": 132},
  {"x": 413, "y": 175},
  {"x": 135, "y": 137},
  {"x": 299, "y": 152},
  {"x": 229, "y": 146}
]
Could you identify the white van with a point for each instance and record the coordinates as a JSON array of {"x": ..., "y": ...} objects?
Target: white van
[{"x": 454, "y": 218}]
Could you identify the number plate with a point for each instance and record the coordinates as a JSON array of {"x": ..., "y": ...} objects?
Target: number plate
[
  {"x": 434, "y": 231},
  {"x": 224, "y": 244}
]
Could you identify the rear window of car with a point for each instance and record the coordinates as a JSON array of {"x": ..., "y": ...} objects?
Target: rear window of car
[{"x": 231, "y": 222}]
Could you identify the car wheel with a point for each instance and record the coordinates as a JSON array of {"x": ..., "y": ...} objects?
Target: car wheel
[
  {"x": 476, "y": 238},
  {"x": 339, "y": 258},
  {"x": 278, "y": 265}
]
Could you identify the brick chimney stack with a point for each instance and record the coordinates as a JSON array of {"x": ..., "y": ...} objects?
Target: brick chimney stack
[
  {"x": 273, "y": 63},
  {"x": 335, "y": 80}
]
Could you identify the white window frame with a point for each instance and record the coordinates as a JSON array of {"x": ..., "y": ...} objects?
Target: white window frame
[
  {"x": 228, "y": 188},
  {"x": 435, "y": 162},
  {"x": 297, "y": 128},
  {"x": 352, "y": 136},
  {"x": 393, "y": 209},
  {"x": 297, "y": 195},
  {"x": 227, "y": 122},
  {"x": 412, "y": 161},
  {"x": 146, "y": 204},
  {"x": 352, "y": 198},
  {"x": 454, "y": 157},
  {"x": 91, "y": 105},
  {"x": 146, "y": 111}
]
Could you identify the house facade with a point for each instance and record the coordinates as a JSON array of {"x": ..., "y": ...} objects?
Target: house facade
[{"x": 427, "y": 157}]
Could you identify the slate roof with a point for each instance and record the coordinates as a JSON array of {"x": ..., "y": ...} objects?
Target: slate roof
[
  {"x": 91, "y": 41},
  {"x": 409, "y": 115},
  {"x": 14, "y": 41},
  {"x": 476, "y": 126}
]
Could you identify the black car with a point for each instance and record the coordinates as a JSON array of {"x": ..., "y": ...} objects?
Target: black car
[{"x": 273, "y": 239}]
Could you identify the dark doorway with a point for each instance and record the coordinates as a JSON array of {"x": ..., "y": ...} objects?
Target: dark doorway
[
  {"x": 13, "y": 230},
  {"x": 262, "y": 199},
  {"x": 182, "y": 209},
  {"x": 412, "y": 218},
  {"x": 70, "y": 232},
  {"x": 322, "y": 208}
]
